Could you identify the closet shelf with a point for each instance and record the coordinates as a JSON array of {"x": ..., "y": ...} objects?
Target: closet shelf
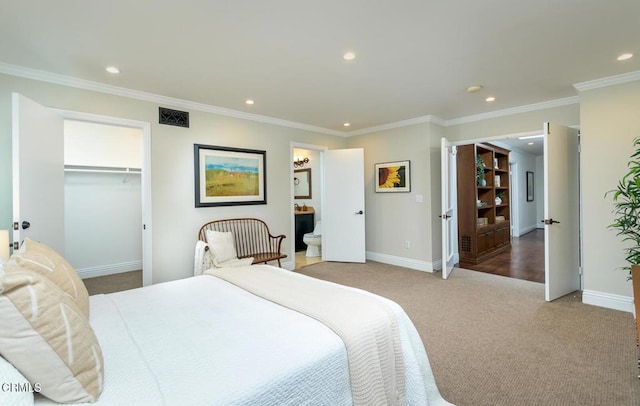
[{"x": 101, "y": 169}]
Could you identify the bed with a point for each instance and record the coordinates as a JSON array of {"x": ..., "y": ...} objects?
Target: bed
[{"x": 205, "y": 340}]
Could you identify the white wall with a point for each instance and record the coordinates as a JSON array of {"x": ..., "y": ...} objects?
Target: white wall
[
  {"x": 176, "y": 221},
  {"x": 527, "y": 217},
  {"x": 609, "y": 121},
  {"x": 103, "y": 223},
  {"x": 103, "y": 211}
]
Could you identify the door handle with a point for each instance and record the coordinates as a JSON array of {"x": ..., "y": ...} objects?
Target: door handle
[
  {"x": 549, "y": 221},
  {"x": 25, "y": 225},
  {"x": 360, "y": 212}
]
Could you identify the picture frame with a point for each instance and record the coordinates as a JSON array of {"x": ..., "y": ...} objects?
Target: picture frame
[
  {"x": 302, "y": 183},
  {"x": 529, "y": 186},
  {"x": 393, "y": 177},
  {"x": 227, "y": 176}
]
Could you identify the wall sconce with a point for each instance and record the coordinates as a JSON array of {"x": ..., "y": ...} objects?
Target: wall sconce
[{"x": 300, "y": 161}]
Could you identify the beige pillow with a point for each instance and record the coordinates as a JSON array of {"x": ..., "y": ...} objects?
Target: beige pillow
[
  {"x": 44, "y": 260},
  {"x": 221, "y": 245},
  {"x": 48, "y": 339}
]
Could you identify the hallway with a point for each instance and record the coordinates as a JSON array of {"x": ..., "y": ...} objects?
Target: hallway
[{"x": 525, "y": 259}]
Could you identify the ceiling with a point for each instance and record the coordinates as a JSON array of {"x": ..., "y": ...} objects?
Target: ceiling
[{"x": 414, "y": 58}]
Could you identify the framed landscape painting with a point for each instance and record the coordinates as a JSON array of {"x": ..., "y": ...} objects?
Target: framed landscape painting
[
  {"x": 393, "y": 177},
  {"x": 229, "y": 176}
]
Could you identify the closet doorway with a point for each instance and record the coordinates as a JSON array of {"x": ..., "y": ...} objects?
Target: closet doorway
[
  {"x": 103, "y": 198},
  {"x": 38, "y": 161}
]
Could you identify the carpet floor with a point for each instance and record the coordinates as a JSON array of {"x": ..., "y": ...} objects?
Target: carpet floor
[{"x": 493, "y": 340}]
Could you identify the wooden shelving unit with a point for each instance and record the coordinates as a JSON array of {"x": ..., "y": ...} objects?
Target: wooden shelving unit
[{"x": 483, "y": 222}]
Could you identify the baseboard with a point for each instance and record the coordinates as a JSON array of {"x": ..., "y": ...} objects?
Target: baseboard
[
  {"x": 110, "y": 269},
  {"x": 288, "y": 265},
  {"x": 608, "y": 300},
  {"x": 401, "y": 261},
  {"x": 526, "y": 230}
]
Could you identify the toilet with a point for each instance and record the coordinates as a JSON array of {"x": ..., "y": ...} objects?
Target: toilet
[{"x": 313, "y": 241}]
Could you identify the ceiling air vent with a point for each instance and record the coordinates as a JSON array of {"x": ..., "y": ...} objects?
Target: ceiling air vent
[{"x": 174, "y": 117}]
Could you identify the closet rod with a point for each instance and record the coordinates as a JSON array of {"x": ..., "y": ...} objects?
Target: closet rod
[{"x": 101, "y": 169}]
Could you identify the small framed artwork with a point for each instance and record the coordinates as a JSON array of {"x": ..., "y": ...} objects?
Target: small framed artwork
[
  {"x": 229, "y": 176},
  {"x": 393, "y": 177},
  {"x": 529, "y": 186}
]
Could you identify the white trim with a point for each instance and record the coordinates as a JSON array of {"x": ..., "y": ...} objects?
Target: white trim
[
  {"x": 608, "y": 81},
  {"x": 70, "y": 81},
  {"x": 399, "y": 124},
  {"x": 110, "y": 269},
  {"x": 403, "y": 262},
  {"x": 289, "y": 265},
  {"x": 608, "y": 300},
  {"x": 515, "y": 110}
]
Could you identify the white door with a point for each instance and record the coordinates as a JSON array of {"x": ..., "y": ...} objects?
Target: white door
[
  {"x": 343, "y": 232},
  {"x": 561, "y": 211},
  {"x": 38, "y": 173},
  {"x": 448, "y": 185}
]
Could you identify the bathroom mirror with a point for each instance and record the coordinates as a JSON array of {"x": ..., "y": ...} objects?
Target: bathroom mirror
[{"x": 302, "y": 183}]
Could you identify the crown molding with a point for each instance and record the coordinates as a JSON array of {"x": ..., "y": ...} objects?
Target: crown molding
[
  {"x": 43, "y": 76},
  {"x": 514, "y": 110},
  {"x": 398, "y": 124},
  {"x": 608, "y": 81}
]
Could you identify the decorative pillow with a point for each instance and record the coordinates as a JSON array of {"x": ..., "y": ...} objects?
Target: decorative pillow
[
  {"x": 16, "y": 390},
  {"x": 221, "y": 245},
  {"x": 48, "y": 339},
  {"x": 44, "y": 260}
]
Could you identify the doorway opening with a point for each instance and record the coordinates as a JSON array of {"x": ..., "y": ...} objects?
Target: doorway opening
[
  {"x": 108, "y": 161},
  {"x": 306, "y": 172},
  {"x": 103, "y": 198},
  {"x": 525, "y": 257}
]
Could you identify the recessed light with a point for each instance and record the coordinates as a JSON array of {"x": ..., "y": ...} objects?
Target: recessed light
[
  {"x": 474, "y": 88},
  {"x": 112, "y": 69},
  {"x": 490, "y": 99},
  {"x": 249, "y": 102},
  {"x": 625, "y": 56},
  {"x": 346, "y": 124},
  {"x": 349, "y": 56},
  {"x": 529, "y": 143}
]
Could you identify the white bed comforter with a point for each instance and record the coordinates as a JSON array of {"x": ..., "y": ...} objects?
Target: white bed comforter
[{"x": 204, "y": 341}]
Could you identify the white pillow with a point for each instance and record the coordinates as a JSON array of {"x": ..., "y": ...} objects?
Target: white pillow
[
  {"x": 16, "y": 389},
  {"x": 221, "y": 245}
]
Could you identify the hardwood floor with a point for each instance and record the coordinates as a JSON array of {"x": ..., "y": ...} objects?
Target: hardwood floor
[{"x": 525, "y": 259}]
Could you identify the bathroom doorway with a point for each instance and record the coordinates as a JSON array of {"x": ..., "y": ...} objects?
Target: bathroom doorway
[{"x": 306, "y": 198}]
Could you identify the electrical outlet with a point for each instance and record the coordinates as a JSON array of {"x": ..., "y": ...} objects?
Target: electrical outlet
[{"x": 407, "y": 244}]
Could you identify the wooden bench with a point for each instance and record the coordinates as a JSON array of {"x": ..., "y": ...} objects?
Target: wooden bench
[{"x": 251, "y": 236}]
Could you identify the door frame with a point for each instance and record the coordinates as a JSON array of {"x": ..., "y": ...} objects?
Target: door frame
[
  {"x": 147, "y": 229},
  {"x": 312, "y": 147},
  {"x": 499, "y": 138}
]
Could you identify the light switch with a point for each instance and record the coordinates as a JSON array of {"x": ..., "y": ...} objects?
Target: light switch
[{"x": 419, "y": 199}]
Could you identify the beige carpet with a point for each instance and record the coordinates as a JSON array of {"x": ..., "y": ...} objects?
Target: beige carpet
[
  {"x": 493, "y": 340},
  {"x": 113, "y": 283}
]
